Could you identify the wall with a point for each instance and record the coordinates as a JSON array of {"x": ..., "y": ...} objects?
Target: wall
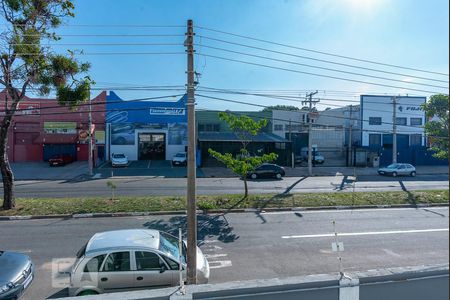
[
  {"x": 381, "y": 106},
  {"x": 412, "y": 283}
]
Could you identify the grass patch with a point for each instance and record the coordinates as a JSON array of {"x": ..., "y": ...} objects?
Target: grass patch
[{"x": 52, "y": 206}]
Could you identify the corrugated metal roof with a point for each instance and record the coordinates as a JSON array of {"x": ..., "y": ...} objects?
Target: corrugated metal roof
[{"x": 232, "y": 137}]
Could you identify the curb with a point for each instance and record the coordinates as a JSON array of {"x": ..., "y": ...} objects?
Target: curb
[{"x": 215, "y": 211}]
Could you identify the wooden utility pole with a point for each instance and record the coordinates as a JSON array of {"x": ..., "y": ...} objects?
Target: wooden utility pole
[
  {"x": 191, "y": 165},
  {"x": 350, "y": 136},
  {"x": 394, "y": 130},
  {"x": 310, "y": 102},
  {"x": 90, "y": 145}
]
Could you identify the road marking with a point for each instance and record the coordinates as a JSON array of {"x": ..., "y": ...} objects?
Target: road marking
[
  {"x": 392, "y": 253},
  {"x": 348, "y": 210},
  {"x": 363, "y": 233},
  {"x": 219, "y": 264},
  {"x": 215, "y": 255}
]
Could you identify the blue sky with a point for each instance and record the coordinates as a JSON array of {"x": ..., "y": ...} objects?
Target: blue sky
[{"x": 401, "y": 32}]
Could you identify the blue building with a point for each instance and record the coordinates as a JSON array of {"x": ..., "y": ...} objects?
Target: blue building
[{"x": 145, "y": 130}]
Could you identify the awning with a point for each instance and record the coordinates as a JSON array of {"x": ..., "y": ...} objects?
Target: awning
[{"x": 232, "y": 137}]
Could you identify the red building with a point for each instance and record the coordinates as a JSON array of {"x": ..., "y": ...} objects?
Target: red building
[{"x": 41, "y": 128}]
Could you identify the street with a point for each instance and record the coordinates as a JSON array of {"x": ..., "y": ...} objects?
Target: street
[
  {"x": 254, "y": 245},
  {"x": 134, "y": 186}
]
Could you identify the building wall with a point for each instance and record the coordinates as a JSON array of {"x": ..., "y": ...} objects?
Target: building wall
[
  {"x": 211, "y": 118},
  {"x": 382, "y": 107},
  {"x": 126, "y": 120},
  {"x": 40, "y": 124}
]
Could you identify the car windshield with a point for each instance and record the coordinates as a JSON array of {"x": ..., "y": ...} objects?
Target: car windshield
[
  {"x": 169, "y": 245},
  {"x": 119, "y": 156},
  {"x": 180, "y": 155},
  {"x": 393, "y": 166}
]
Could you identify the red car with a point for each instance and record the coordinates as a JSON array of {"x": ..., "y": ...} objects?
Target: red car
[{"x": 60, "y": 160}]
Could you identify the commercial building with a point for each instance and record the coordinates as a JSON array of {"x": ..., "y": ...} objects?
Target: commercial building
[
  {"x": 216, "y": 134},
  {"x": 41, "y": 128},
  {"x": 145, "y": 130}
]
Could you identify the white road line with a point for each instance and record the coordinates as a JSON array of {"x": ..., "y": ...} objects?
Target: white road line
[
  {"x": 220, "y": 264},
  {"x": 363, "y": 233},
  {"x": 349, "y": 210},
  {"x": 215, "y": 255}
]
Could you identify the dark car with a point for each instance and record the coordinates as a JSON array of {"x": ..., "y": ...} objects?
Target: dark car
[
  {"x": 267, "y": 171},
  {"x": 16, "y": 274},
  {"x": 60, "y": 159}
]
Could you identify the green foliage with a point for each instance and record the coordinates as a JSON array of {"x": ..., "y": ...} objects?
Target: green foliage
[
  {"x": 281, "y": 107},
  {"x": 242, "y": 164},
  {"x": 436, "y": 110}
]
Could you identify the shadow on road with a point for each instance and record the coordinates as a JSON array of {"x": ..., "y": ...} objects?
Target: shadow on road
[
  {"x": 286, "y": 193},
  {"x": 216, "y": 227}
]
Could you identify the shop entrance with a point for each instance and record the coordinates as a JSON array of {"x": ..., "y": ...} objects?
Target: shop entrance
[{"x": 152, "y": 146}]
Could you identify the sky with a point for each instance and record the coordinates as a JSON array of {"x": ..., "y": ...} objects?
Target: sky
[{"x": 407, "y": 33}]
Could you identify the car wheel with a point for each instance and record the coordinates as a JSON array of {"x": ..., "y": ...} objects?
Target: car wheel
[
  {"x": 413, "y": 174},
  {"x": 87, "y": 292},
  {"x": 253, "y": 176},
  {"x": 394, "y": 174},
  {"x": 278, "y": 176}
]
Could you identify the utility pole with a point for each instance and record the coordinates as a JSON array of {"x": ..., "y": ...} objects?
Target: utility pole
[
  {"x": 394, "y": 130},
  {"x": 350, "y": 136},
  {"x": 292, "y": 148},
  {"x": 310, "y": 102},
  {"x": 191, "y": 165},
  {"x": 90, "y": 147}
]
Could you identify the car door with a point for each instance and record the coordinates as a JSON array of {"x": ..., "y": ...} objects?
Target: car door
[
  {"x": 263, "y": 171},
  {"x": 402, "y": 170},
  {"x": 151, "y": 270},
  {"x": 116, "y": 272}
]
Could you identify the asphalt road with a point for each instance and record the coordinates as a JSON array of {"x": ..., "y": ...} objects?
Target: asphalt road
[
  {"x": 134, "y": 186},
  {"x": 253, "y": 246}
]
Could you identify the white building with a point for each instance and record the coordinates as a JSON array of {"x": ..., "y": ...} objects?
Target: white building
[{"x": 377, "y": 119}]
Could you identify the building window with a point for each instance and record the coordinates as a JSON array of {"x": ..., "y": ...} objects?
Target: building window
[
  {"x": 209, "y": 127},
  {"x": 415, "y": 139},
  {"x": 400, "y": 121},
  {"x": 374, "y": 120},
  {"x": 278, "y": 127},
  {"x": 416, "y": 121},
  {"x": 374, "y": 139},
  {"x": 281, "y": 146},
  {"x": 293, "y": 127}
]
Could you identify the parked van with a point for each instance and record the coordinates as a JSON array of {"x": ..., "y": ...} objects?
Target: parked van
[{"x": 317, "y": 158}]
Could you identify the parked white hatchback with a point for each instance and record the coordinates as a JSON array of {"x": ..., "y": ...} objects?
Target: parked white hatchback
[
  {"x": 131, "y": 259},
  {"x": 119, "y": 160},
  {"x": 398, "y": 169}
]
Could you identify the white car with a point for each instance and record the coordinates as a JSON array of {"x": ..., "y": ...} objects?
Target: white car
[
  {"x": 180, "y": 159},
  {"x": 119, "y": 160},
  {"x": 131, "y": 259},
  {"x": 398, "y": 169}
]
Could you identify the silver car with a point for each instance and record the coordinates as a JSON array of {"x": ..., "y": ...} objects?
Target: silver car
[
  {"x": 398, "y": 169},
  {"x": 130, "y": 259},
  {"x": 16, "y": 274}
]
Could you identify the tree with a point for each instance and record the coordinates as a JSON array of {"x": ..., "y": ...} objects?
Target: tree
[
  {"x": 281, "y": 107},
  {"x": 436, "y": 111},
  {"x": 27, "y": 64},
  {"x": 243, "y": 163}
]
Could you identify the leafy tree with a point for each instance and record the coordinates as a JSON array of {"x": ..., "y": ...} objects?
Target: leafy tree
[
  {"x": 436, "y": 110},
  {"x": 28, "y": 64},
  {"x": 243, "y": 163},
  {"x": 281, "y": 107}
]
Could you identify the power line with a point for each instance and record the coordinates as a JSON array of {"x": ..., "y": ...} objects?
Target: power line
[
  {"x": 322, "y": 68},
  {"x": 108, "y": 35},
  {"x": 321, "y": 52},
  {"x": 315, "y": 74},
  {"x": 108, "y": 25},
  {"x": 321, "y": 60},
  {"x": 110, "y": 53},
  {"x": 100, "y": 44}
]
